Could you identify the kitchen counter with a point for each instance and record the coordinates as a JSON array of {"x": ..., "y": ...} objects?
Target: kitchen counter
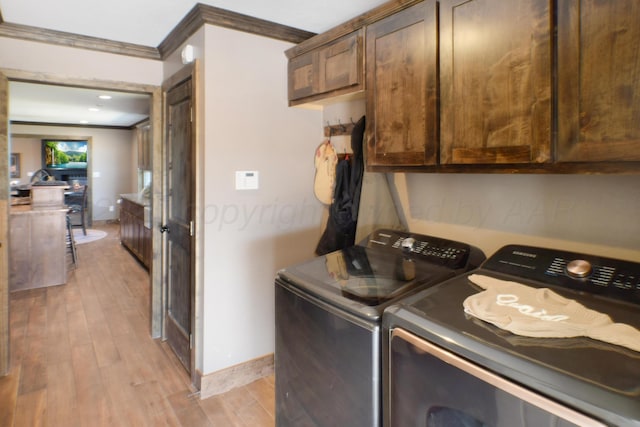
[
  {"x": 37, "y": 247},
  {"x": 137, "y": 198},
  {"x": 143, "y": 201}
]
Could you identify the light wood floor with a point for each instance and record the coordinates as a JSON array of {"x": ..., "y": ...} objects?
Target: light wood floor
[{"x": 81, "y": 355}]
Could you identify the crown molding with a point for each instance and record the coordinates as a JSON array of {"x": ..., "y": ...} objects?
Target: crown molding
[
  {"x": 61, "y": 38},
  {"x": 202, "y": 14},
  {"x": 199, "y": 15},
  {"x": 354, "y": 24}
]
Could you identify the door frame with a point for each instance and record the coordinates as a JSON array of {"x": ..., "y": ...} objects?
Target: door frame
[
  {"x": 189, "y": 71},
  {"x": 156, "y": 119}
]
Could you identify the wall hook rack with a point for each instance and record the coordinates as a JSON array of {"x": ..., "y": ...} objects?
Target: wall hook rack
[{"x": 339, "y": 129}]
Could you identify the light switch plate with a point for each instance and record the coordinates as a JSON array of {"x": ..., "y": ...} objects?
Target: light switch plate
[{"x": 246, "y": 180}]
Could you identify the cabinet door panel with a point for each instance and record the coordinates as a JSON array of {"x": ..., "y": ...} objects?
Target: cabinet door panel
[
  {"x": 495, "y": 81},
  {"x": 302, "y": 76},
  {"x": 402, "y": 88},
  {"x": 340, "y": 64},
  {"x": 330, "y": 70},
  {"x": 598, "y": 80}
]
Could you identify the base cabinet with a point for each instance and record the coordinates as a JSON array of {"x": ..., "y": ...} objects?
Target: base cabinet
[
  {"x": 133, "y": 234},
  {"x": 37, "y": 248}
]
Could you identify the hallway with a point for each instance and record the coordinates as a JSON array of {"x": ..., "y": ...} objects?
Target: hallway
[{"x": 81, "y": 355}]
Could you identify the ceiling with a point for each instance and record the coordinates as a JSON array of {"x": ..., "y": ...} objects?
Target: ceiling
[
  {"x": 142, "y": 22},
  {"x": 38, "y": 103}
]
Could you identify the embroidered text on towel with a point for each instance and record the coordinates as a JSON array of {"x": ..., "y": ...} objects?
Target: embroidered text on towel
[{"x": 510, "y": 300}]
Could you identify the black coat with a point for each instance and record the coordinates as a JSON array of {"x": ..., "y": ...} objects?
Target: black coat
[{"x": 343, "y": 212}]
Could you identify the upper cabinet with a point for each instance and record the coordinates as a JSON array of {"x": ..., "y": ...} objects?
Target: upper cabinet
[
  {"x": 326, "y": 71},
  {"x": 402, "y": 88},
  {"x": 533, "y": 86},
  {"x": 495, "y": 81},
  {"x": 144, "y": 146},
  {"x": 598, "y": 81}
]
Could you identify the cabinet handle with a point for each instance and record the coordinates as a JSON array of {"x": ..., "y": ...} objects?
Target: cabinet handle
[{"x": 164, "y": 228}]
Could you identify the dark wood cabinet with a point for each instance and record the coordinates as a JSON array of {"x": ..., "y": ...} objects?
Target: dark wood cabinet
[
  {"x": 133, "y": 234},
  {"x": 402, "y": 88},
  {"x": 495, "y": 81},
  {"x": 327, "y": 71},
  {"x": 522, "y": 86},
  {"x": 598, "y": 81}
]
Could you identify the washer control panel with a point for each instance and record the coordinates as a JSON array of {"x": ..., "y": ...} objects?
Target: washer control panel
[
  {"x": 452, "y": 254},
  {"x": 589, "y": 273}
]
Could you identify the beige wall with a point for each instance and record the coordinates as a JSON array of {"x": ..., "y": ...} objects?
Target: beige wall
[
  {"x": 597, "y": 214},
  {"x": 245, "y": 124},
  {"x": 30, "y": 150},
  {"x": 77, "y": 63}
]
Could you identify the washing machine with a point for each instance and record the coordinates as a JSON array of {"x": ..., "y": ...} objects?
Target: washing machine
[
  {"x": 328, "y": 323},
  {"x": 445, "y": 366}
]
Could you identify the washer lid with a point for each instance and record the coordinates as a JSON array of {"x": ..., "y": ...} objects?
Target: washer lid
[{"x": 363, "y": 280}]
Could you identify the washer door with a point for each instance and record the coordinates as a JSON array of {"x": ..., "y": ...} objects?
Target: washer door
[{"x": 432, "y": 387}]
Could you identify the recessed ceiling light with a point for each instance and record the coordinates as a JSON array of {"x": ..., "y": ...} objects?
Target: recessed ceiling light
[
  {"x": 94, "y": 109},
  {"x": 104, "y": 96}
]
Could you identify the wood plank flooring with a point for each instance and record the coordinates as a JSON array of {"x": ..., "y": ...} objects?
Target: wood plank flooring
[{"x": 81, "y": 355}]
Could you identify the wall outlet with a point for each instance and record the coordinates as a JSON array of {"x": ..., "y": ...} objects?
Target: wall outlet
[{"x": 111, "y": 208}]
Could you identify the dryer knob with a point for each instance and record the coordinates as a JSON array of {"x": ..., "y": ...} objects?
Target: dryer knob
[
  {"x": 408, "y": 244},
  {"x": 579, "y": 268}
]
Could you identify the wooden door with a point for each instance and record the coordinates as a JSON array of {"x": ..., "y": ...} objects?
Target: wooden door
[
  {"x": 598, "y": 80},
  {"x": 4, "y": 225},
  {"x": 179, "y": 159},
  {"x": 495, "y": 75},
  {"x": 402, "y": 88}
]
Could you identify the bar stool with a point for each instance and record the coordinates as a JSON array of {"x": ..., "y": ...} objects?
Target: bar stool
[{"x": 71, "y": 242}]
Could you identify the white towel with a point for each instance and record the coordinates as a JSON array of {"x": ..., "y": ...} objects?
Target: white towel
[{"x": 540, "y": 312}]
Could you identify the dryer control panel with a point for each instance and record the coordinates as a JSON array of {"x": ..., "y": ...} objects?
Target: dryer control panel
[
  {"x": 449, "y": 253},
  {"x": 588, "y": 273}
]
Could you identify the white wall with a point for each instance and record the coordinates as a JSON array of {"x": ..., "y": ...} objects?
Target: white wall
[
  {"x": 597, "y": 214},
  {"x": 109, "y": 157}
]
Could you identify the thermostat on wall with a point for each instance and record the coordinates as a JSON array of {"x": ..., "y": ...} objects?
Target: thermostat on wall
[{"x": 246, "y": 180}]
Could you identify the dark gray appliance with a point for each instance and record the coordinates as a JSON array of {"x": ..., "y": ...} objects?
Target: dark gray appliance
[
  {"x": 328, "y": 323},
  {"x": 446, "y": 368}
]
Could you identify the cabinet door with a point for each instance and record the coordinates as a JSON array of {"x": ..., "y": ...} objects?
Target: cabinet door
[
  {"x": 402, "y": 88},
  {"x": 495, "y": 79},
  {"x": 302, "y": 76},
  {"x": 340, "y": 63},
  {"x": 19, "y": 251},
  {"x": 144, "y": 147},
  {"x": 330, "y": 70},
  {"x": 598, "y": 80},
  {"x": 125, "y": 223}
]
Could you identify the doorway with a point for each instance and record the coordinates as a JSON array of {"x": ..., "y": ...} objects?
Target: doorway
[{"x": 155, "y": 98}]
